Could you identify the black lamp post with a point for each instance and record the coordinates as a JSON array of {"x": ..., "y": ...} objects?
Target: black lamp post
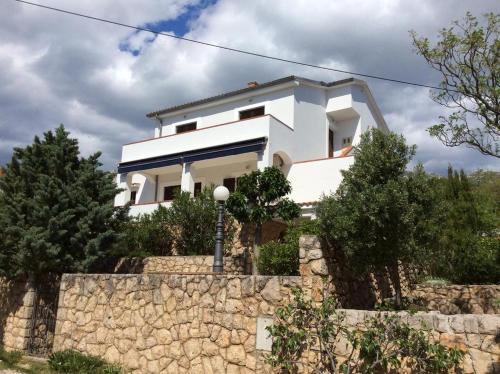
[{"x": 221, "y": 194}]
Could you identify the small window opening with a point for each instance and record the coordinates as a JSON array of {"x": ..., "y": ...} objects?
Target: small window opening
[
  {"x": 253, "y": 112},
  {"x": 346, "y": 141},
  {"x": 185, "y": 128}
]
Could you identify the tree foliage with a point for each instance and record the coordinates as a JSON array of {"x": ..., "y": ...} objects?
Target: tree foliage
[
  {"x": 372, "y": 219},
  {"x": 467, "y": 56},
  {"x": 149, "y": 235},
  {"x": 56, "y": 209},
  {"x": 194, "y": 223},
  {"x": 281, "y": 257},
  {"x": 465, "y": 247},
  {"x": 386, "y": 344},
  {"x": 185, "y": 228},
  {"x": 261, "y": 197}
]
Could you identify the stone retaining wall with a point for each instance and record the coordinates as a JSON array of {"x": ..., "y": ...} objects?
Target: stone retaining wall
[
  {"x": 475, "y": 334},
  {"x": 454, "y": 299},
  {"x": 178, "y": 264},
  {"x": 194, "y": 323},
  {"x": 364, "y": 293},
  {"x": 16, "y": 307},
  {"x": 170, "y": 323}
]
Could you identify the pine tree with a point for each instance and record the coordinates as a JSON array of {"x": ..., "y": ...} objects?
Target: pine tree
[{"x": 56, "y": 209}]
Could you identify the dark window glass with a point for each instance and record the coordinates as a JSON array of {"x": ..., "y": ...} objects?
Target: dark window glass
[
  {"x": 169, "y": 192},
  {"x": 186, "y": 127},
  {"x": 197, "y": 189},
  {"x": 133, "y": 196},
  {"x": 254, "y": 112},
  {"x": 230, "y": 184},
  {"x": 330, "y": 143}
]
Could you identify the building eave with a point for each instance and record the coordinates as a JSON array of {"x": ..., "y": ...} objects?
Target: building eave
[{"x": 281, "y": 83}]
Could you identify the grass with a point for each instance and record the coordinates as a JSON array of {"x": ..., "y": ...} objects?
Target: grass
[
  {"x": 16, "y": 361},
  {"x": 68, "y": 362}
]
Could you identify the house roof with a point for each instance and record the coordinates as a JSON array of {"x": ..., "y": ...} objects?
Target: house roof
[{"x": 246, "y": 90}]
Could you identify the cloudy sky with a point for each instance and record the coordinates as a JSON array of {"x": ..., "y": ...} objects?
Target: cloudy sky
[{"x": 100, "y": 80}]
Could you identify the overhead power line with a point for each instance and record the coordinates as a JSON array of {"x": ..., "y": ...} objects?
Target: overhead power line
[{"x": 255, "y": 54}]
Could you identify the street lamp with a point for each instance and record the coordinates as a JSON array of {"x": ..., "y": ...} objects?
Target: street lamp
[{"x": 221, "y": 194}]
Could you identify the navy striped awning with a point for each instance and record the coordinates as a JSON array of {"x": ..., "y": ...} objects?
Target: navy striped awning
[{"x": 253, "y": 145}]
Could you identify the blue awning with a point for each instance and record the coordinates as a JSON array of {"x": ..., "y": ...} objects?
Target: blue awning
[{"x": 253, "y": 145}]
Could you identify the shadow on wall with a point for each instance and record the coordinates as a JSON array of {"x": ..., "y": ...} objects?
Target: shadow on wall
[
  {"x": 360, "y": 291},
  {"x": 11, "y": 300}
]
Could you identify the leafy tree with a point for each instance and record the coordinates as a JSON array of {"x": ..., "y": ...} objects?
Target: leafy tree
[
  {"x": 185, "y": 228},
  {"x": 194, "y": 220},
  {"x": 149, "y": 235},
  {"x": 466, "y": 249},
  {"x": 386, "y": 344},
  {"x": 371, "y": 221},
  {"x": 282, "y": 257},
  {"x": 467, "y": 56},
  {"x": 57, "y": 212},
  {"x": 260, "y": 198},
  {"x": 485, "y": 186}
]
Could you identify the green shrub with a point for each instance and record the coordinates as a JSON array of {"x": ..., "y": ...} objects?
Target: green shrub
[
  {"x": 278, "y": 259},
  {"x": 73, "y": 362},
  {"x": 150, "y": 234},
  {"x": 385, "y": 345},
  {"x": 194, "y": 222},
  {"x": 185, "y": 228},
  {"x": 10, "y": 358},
  {"x": 282, "y": 258}
]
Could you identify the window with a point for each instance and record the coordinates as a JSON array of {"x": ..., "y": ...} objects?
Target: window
[
  {"x": 253, "y": 112},
  {"x": 185, "y": 128},
  {"x": 230, "y": 184},
  {"x": 133, "y": 196},
  {"x": 346, "y": 141},
  {"x": 197, "y": 189},
  {"x": 169, "y": 192},
  {"x": 330, "y": 143}
]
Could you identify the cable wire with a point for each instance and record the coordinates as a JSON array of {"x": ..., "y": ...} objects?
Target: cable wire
[{"x": 255, "y": 54}]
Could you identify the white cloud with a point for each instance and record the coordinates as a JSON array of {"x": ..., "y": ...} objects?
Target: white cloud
[{"x": 56, "y": 68}]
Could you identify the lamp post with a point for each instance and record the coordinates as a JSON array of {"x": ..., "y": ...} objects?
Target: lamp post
[{"x": 221, "y": 194}]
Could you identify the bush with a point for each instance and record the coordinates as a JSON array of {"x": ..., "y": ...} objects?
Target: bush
[
  {"x": 278, "y": 259},
  {"x": 10, "y": 358},
  {"x": 478, "y": 263},
  {"x": 74, "y": 362},
  {"x": 385, "y": 345},
  {"x": 150, "y": 234},
  {"x": 282, "y": 258},
  {"x": 194, "y": 222},
  {"x": 185, "y": 228}
]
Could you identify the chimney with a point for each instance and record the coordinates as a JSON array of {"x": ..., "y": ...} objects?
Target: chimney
[{"x": 252, "y": 84}]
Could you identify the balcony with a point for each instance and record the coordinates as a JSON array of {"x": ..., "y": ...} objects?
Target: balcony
[
  {"x": 205, "y": 143},
  {"x": 203, "y": 157}
]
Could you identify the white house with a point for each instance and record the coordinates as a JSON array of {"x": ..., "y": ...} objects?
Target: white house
[{"x": 305, "y": 127}]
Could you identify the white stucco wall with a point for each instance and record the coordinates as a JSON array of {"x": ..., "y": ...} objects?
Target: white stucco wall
[
  {"x": 213, "y": 136},
  {"x": 278, "y": 103},
  {"x": 311, "y": 129},
  {"x": 310, "y": 180}
]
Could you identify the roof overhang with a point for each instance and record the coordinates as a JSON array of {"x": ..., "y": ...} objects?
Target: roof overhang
[{"x": 247, "y": 146}]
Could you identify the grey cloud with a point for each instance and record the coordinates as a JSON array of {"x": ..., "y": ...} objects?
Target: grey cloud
[{"x": 102, "y": 94}]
